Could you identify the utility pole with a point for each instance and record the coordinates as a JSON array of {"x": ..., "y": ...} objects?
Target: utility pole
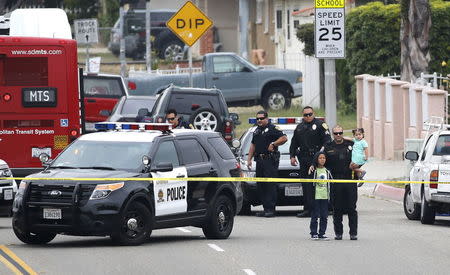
[
  {"x": 148, "y": 47},
  {"x": 123, "y": 62}
]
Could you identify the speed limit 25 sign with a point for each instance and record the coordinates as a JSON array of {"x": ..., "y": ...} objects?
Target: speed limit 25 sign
[{"x": 330, "y": 29}]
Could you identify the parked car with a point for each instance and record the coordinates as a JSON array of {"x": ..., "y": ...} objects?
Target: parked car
[
  {"x": 8, "y": 189},
  {"x": 241, "y": 82},
  {"x": 288, "y": 193},
  {"x": 205, "y": 109},
  {"x": 128, "y": 210},
  {"x": 101, "y": 93},
  {"x": 128, "y": 106},
  {"x": 164, "y": 41},
  {"x": 432, "y": 167}
]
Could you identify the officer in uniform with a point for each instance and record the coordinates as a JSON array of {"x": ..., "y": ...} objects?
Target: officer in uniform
[
  {"x": 343, "y": 195},
  {"x": 309, "y": 138},
  {"x": 177, "y": 122},
  {"x": 264, "y": 147}
]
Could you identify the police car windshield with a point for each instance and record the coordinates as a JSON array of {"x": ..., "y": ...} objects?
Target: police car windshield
[
  {"x": 284, "y": 149},
  {"x": 113, "y": 155}
]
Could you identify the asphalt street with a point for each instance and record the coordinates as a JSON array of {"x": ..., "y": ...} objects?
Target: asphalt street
[{"x": 388, "y": 243}]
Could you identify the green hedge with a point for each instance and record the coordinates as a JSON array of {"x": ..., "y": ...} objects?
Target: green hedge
[{"x": 373, "y": 44}]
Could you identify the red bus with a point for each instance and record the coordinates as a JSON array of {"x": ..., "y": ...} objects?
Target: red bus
[{"x": 39, "y": 99}]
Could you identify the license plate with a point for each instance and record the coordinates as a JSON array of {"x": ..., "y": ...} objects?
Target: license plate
[
  {"x": 293, "y": 191},
  {"x": 52, "y": 214},
  {"x": 7, "y": 194},
  {"x": 35, "y": 152}
]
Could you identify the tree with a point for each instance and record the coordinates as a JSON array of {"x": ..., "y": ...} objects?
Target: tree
[{"x": 414, "y": 37}]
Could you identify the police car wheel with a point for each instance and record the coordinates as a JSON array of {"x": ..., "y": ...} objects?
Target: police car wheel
[
  {"x": 33, "y": 238},
  {"x": 221, "y": 219},
  {"x": 135, "y": 225}
]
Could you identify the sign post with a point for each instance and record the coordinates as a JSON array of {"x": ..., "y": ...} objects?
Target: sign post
[
  {"x": 189, "y": 24},
  {"x": 329, "y": 36},
  {"x": 86, "y": 32}
]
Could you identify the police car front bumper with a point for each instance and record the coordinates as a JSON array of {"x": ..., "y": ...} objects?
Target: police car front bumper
[{"x": 94, "y": 218}]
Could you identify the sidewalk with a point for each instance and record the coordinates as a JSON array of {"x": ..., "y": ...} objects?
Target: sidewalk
[{"x": 384, "y": 170}]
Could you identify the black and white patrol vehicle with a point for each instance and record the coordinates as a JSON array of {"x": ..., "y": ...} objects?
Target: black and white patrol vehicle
[{"x": 108, "y": 193}]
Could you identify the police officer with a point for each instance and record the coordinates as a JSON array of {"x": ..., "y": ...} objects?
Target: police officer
[
  {"x": 309, "y": 137},
  {"x": 343, "y": 195},
  {"x": 264, "y": 147},
  {"x": 177, "y": 122}
]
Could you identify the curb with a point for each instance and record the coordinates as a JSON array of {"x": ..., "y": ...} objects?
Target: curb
[{"x": 389, "y": 192}]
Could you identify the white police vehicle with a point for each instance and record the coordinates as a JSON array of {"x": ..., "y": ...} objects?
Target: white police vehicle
[
  {"x": 117, "y": 202},
  {"x": 8, "y": 188},
  {"x": 431, "y": 166},
  {"x": 287, "y": 193}
]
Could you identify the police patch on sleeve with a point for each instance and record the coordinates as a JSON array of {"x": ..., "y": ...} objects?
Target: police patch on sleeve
[{"x": 325, "y": 126}]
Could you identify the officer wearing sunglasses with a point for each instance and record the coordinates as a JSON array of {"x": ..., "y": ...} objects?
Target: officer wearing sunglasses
[
  {"x": 264, "y": 147},
  {"x": 177, "y": 122},
  {"x": 309, "y": 137},
  {"x": 343, "y": 195}
]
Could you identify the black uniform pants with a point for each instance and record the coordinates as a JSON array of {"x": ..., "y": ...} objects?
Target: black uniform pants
[
  {"x": 344, "y": 197},
  {"x": 308, "y": 188},
  {"x": 267, "y": 191}
]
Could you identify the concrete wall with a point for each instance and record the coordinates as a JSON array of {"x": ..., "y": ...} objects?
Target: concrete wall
[{"x": 391, "y": 111}]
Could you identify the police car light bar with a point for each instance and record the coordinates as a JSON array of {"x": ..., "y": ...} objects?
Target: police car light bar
[
  {"x": 105, "y": 126},
  {"x": 279, "y": 120}
]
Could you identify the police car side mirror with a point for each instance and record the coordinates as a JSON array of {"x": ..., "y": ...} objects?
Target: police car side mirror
[{"x": 162, "y": 167}]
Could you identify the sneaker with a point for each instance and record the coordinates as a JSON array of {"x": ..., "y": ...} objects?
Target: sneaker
[
  {"x": 269, "y": 214},
  {"x": 260, "y": 214},
  {"x": 338, "y": 237},
  {"x": 323, "y": 238},
  {"x": 314, "y": 237},
  {"x": 360, "y": 184},
  {"x": 353, "y": 237},
  {"x": 363, "y": 173}
]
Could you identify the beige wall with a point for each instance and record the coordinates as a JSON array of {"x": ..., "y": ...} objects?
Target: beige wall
[
  {"x": 259, "y": 39},
  {"x": 225, "y": 15}
]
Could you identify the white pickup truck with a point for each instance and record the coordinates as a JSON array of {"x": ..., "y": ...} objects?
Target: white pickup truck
[{"x": 432, "y": 167}]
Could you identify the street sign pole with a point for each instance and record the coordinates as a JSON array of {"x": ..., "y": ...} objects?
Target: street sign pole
[
  {"x": 330, "y": 92},
  {"x": 148, "y": 49},
  {"x": 190, "y": 67},
  {"x": 123, "y": 64},
  {"x": 87, "y": 55}
]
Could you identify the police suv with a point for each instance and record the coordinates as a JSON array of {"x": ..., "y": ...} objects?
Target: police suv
[
  {"x": 289, "y": 193},
  {"x": 105, "y": 191},
  {"x": 431, "y": 166}
]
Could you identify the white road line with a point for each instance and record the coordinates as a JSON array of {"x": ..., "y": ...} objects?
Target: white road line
[
  {"x": 249, "y": 271},
  {"x": 215, "y": 247},
  {"x": 184, "y": 230}
]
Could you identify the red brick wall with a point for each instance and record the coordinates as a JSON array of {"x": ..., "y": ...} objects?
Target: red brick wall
[{"x": 206, "y": 42}]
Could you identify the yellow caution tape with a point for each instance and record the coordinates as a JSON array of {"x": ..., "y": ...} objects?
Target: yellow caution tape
[{"x": 219, "y": 179}]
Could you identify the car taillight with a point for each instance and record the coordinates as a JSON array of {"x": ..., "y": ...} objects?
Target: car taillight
[
  {"x": 434, "y": 176},
  {"x": 131, "y": 85},
  {"x": 228, "y": 130}
]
